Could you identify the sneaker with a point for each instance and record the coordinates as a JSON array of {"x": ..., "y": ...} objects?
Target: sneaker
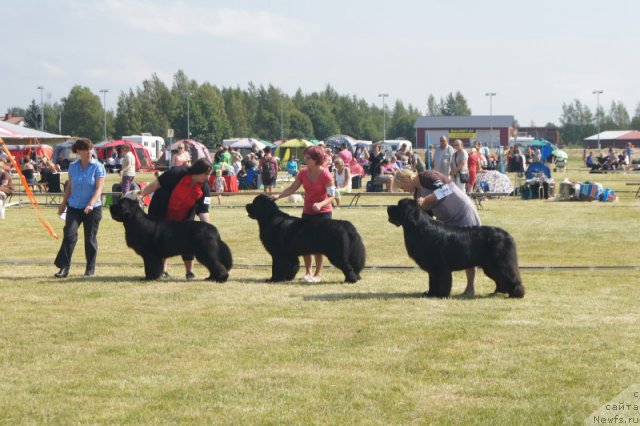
[
  {"x": 311, "y": 279},
  {"x": 190, "y": 276}
]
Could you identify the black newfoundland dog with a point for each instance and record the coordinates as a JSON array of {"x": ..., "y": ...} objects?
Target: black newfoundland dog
[
  {"x": 156, "y": 240},
  {"x": 287, "y": 237},
  {"x": 439, "y": 249}
]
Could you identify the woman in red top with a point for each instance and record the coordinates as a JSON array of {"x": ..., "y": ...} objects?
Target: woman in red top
[
  {"x": 319, "y": 193},
  {"x": 180, "y": 194},
  {"x": 473, "y": 162}
]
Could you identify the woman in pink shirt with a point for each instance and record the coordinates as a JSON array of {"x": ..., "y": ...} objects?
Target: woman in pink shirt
[{"x": 319, "y": 193}]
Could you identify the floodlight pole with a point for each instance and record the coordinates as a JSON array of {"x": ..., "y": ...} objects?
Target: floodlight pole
[
  {"x": 41, "y": 88},
  {"x": 598, "y": 93},
  {"x": 104, "y": 97},
  {"x": 490, "y": 95},
  {"x": 384, "y": 116}
]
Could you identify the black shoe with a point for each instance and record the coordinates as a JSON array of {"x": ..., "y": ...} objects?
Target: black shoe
[
  {"x": 89, "y": 273},
  {"x": 191, "y": 276},
  {"x": 62, "y": 273}
]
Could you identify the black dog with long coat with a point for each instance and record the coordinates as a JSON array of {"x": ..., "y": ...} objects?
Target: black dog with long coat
[
  {"x": 440, "y": 249},
  {"x": 287, "y": 237},
  {"x": 156, "y": 240}
]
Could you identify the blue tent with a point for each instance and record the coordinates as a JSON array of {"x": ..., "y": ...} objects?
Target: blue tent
[{"x": 537, "y": 168}]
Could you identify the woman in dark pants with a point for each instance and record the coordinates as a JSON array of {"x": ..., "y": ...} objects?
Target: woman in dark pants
[
  {"x": 179, "y": 194},
  {"x": 82, "y": 202}
]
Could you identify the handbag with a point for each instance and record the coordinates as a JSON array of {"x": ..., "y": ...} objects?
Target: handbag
[{"x": 464, "y": 177}]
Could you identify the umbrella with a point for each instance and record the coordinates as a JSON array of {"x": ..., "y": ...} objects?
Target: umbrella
[
  {"x": 496, "y": 180},
  {"x": 558, "y": 153},
  {"x": 537, "y": 168},
  {"x": 248, "y": 143}
]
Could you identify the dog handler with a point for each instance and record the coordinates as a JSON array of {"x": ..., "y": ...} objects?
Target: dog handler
[
  {"x": 82, "y": 203},
  {"x": 319, "y": 191},
  {"x": 436, "y": 192},
  {"x": 179, "y": 194}
]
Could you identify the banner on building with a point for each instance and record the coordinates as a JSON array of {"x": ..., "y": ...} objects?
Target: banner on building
[{"x": 463, "y": 134}]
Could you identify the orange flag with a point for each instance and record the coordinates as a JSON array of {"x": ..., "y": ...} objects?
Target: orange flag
[{"x": 34, "y": 203}]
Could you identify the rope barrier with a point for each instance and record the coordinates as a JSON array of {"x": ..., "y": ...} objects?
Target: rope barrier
[{"x": 369, "y": 268}]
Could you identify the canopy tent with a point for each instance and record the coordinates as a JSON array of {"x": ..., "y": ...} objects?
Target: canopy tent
[
  {"x": 32, "y": 151},
  {"x": 197, "y": 150},
  {"x": 291, "y": 148},
  {"x": 11, "y": 132},
  {"x": 537, "y": 168},
  {"x": 496, "y": 181},
  {"x": 335, "y": 142},
  {"x": 143, "y": 160},
  {"x": 248, "y": 143}
]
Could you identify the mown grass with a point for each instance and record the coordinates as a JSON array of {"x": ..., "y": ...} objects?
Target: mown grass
[{"x": 114, "y": 349}]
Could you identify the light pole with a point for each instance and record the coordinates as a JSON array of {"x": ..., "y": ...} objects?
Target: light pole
[
  {"x": 281, "y": 119},
  {"x": 188, "y": 115},
  {"x": 490, "y": 95},
  {"x": 104, "y": 97},
  {"x": 41, "y": 88},
  {"x": 598, "y": 93},
  {"x": 384, "y": 116}
]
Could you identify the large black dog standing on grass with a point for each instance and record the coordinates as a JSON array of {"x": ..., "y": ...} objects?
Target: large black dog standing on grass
[
  {"x": 439, "y": 249},
  {"x": 287, "y": 237},
  {"x": 156, "y": 240}
]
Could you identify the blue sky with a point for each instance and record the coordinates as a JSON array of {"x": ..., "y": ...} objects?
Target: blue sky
[{"x": 534, "y": 55}]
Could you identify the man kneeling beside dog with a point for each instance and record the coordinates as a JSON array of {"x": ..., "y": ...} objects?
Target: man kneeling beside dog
[{"x": 457, "y": 240}]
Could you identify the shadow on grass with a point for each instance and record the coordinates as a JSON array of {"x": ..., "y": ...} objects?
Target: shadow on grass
[{"x": 388, "y": 296}]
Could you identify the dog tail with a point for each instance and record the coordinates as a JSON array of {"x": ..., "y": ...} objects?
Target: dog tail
[
  {"x": 358, "y": 254},
  {"x": 224, "y": 254}
]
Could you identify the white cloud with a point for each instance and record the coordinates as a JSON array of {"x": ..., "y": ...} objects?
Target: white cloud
[
  {"x": 53, "y": 69},
  {"x": 180, "y": 19}
]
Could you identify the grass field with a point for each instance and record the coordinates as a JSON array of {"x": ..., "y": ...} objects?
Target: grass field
[{"x": 114, "y": 349}]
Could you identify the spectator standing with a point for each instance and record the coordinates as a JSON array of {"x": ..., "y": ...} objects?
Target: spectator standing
[
  {"x": 443, "y": 154},
  {"x": 268, "y": 170},
  {"x": 473, "y": 164},
  {"x": 459, "y": 165},
  {"x": 82, "y": 204},
  {"x": 345, "y": 154},
  {"x": 181, "y": 157},
  {"x": 128, "y": 171}
]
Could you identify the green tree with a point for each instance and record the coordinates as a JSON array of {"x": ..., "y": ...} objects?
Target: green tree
[
  {"x": 577, "y": 122},
  {"x": 157, "y": 106},
  {"x": 82, "y": 114},
  {"x": 322, "y": 119},
  {"x": 32, "y": 115},
  {"x": 237, "y": 113},
  {"x": 299, "y": 124},
  {"x": 432, "y": 106},
  {"x": 211, "y": 124},
  {"x": 128, "y": 120}
]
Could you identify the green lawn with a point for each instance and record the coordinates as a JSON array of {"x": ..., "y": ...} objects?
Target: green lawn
[{"x": 114, "y": 349}]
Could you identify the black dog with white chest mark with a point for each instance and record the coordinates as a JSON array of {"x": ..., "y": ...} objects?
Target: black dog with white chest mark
[
  {"x": 156, "y": 240},
  {"x": 287, "y": 237},
  {"x": 440, "y": 249}
]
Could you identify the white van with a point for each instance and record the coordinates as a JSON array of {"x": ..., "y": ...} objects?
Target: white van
[{"x": 153, "y": 144}]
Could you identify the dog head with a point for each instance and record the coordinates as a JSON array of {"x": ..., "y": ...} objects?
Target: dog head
[
  {"x": 125, "y": 206},
  {"x": 406, "y": 212},
  {"x": 262, "y": 207}
]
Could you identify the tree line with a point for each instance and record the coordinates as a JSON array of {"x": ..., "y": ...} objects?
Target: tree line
[{"x": 210, "y": 114}]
